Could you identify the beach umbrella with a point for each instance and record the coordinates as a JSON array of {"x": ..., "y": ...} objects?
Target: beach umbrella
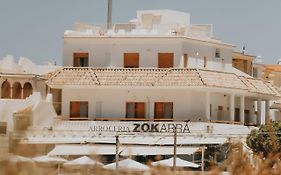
[
  {"x": 51, "y": 160},
  {"x": 128, "y": 164},
  {"x": 47, "y": 159},
  {"x": 179, "y": 163},
  {"x": 84, "y": 160}
]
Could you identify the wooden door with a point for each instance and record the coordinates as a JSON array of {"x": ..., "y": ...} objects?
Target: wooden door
[
  {"x": 83, "y": 109},
  {"x": 74, "y": 109},
  {"x": 220, "y": 113},
  {"x": 159, "y": 110},
  {"x": 247, "y": 116},
  {"x": 80, "y": 59},
  {"x": 139, "y": 110},
  {"x": 130, "y": 110},
  {"x": 168, "y": 110},
  {"x": 131, "y": 60},
  {"x": 237, "y": 115},
  {"x": 165, "y": 60}
]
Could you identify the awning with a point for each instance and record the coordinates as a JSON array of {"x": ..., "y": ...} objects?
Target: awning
[
  {"x": 103, "y": 149},
  {"x": 128, "y": 139}
]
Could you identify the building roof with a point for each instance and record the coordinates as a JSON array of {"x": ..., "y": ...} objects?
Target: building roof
[
  {"x": 158, "y": 77},
  {"x": 273, "y": 67},
  {"x": 24, "y": 67}
]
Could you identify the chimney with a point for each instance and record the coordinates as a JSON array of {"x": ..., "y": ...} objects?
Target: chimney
[{"x": 109, "y": 14}]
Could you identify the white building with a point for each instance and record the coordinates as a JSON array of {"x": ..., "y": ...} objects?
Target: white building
[
  {"x": 155, "y": 73},
  {"x": 196, "y": 80}
]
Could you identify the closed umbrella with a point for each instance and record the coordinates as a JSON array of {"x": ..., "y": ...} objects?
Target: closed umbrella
[
  {"x": 179, "y": 163},
  {"x": 128, "y": 164}
]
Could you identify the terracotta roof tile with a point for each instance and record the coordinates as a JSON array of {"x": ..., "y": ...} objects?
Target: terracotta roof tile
[{"x": 159, "y": 77}]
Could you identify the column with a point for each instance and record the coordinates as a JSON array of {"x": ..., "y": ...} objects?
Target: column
[
  {"x": 267, "y": 111},
  {"x": 151, "y": 110},
  {"x": 231, "y": 107},
  {"x": 11, "y": 92},
  {"x": 207, "y": 106},
  {"x": 242, "y": 109},
  {"x": 259, "y": 115},
  {"x": 21, "y": 95}
]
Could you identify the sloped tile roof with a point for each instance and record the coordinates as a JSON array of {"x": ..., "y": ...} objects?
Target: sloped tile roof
[
  {"x": 158, "y": 77},
  {"x": 74, "y": 76},
  {"x": 180, "y": 77},
  {"x": 221, "y": 79},
  {"x": 259, "y": 86},
  {"x": 129, "y": 77}
]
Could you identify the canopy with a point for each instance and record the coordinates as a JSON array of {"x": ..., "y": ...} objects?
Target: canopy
[
  {"x": 84, "y": 160},
  {"x": 103, "y": 149},
  {"x": 47, "y": 159},
  {"x": 179, "y": 163},
  {"x": 128, "y": 164}
]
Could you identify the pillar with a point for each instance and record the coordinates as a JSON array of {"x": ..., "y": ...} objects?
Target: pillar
[
  {"x": 207, "y": 106},
  {"x": 21, "y": 94},
  {"x": 11, "y": 92},
  {"x": 267, "y": 111},
  {"x": 231, "y": 107},
  {"x": 242, "y": 109},
  {"x": 259, "y": 115}
]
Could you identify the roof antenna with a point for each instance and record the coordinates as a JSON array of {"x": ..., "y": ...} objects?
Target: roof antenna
[{"x": 109, "y": 14}]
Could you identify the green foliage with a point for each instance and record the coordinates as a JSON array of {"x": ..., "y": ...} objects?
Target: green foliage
[{"x": 266, "y": 139}]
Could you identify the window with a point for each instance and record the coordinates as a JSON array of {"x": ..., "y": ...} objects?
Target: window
[
  {"x": 3, "y": 127},
  {"x": 80, "y": 60},
  {"x": 163, "y": 110},
  {"x": 218, "y": 54},
  {"x": 165, "y": 60},
  {"x": 131, "y": 60},
  {"x": 78, "y": 110},
  {"x": 205, "y": 61},
  {"x": 135, "y": 110},
  {"x": 185, "y": 60}
]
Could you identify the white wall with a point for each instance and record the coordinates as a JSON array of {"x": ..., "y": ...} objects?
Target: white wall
[
  {"x": 111, "y": 102},
  {"x": 167, "y": 16},
  {"x": 9, "y": 106},
  {"x": 108, "y": 52}
]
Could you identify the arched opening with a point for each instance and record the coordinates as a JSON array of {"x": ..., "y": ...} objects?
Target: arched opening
[
  {"x": 16, "y": 90},
  {"x": 27, "y": 90},
  {"x": 6, "y": 90}
]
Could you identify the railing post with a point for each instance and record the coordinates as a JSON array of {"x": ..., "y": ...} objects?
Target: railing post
[
  {"x": 175, "y": 149},
  {"x": 117, "y": 152}
]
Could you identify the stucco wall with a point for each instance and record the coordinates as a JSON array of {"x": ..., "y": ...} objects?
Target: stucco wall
[
  {"x": 108, "y": 52},
  {"x": 109, "y": 103}
]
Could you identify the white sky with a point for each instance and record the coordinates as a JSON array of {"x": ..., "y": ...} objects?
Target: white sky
[{"x": 34, "y": 28}]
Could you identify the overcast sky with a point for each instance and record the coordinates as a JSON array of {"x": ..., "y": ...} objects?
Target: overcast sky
[{"x": 34, "y": 28}]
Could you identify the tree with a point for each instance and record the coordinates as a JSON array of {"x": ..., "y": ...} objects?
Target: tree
[{"x": 266, "y": 139}]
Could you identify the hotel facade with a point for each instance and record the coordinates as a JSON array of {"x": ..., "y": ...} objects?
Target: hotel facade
[{"x": 141, "y": 81}]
